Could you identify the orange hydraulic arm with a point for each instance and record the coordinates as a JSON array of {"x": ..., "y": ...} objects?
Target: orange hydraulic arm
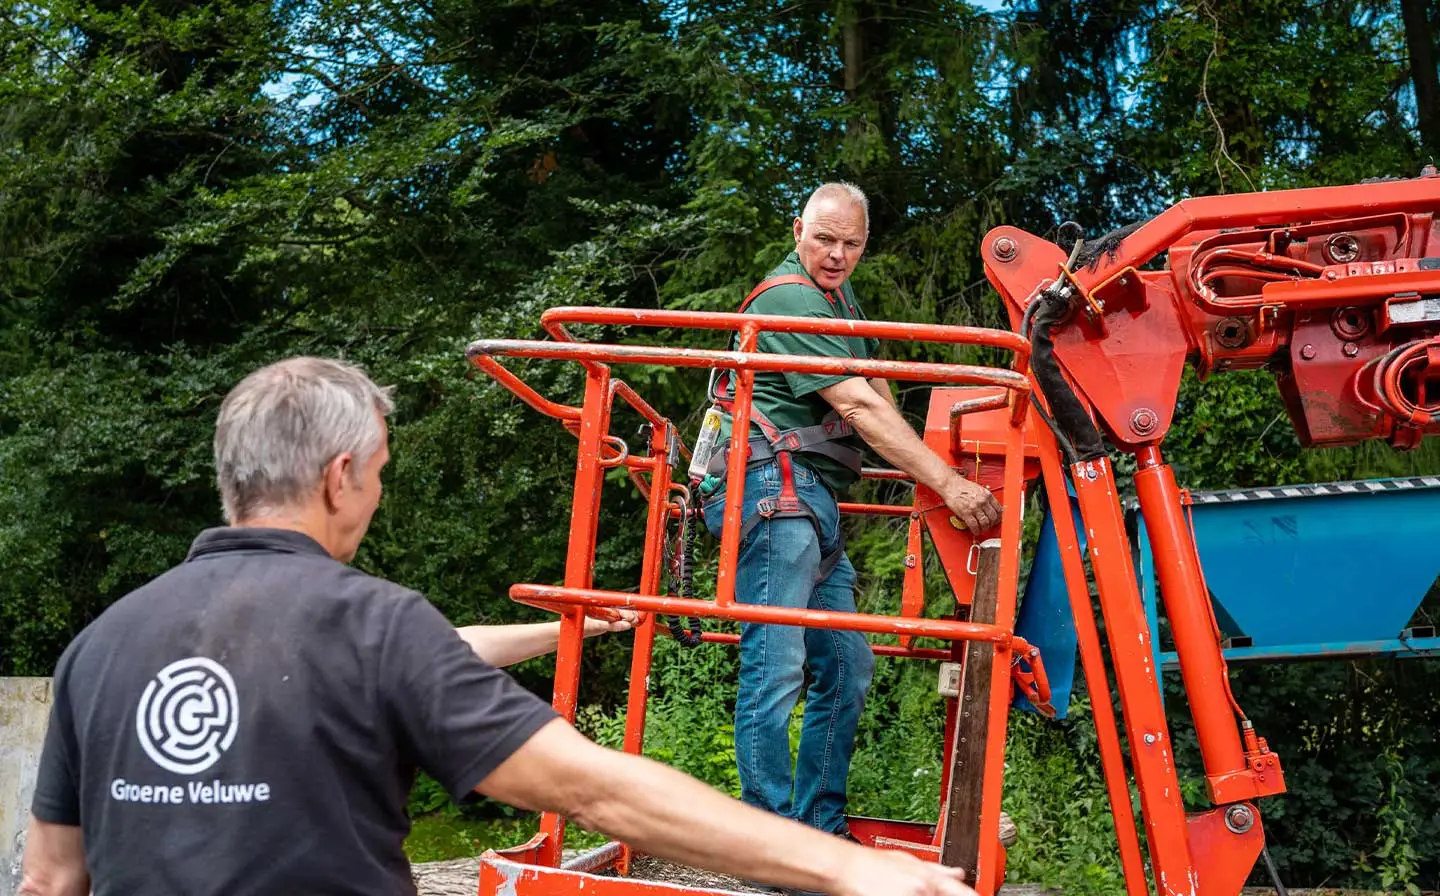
[{"x": 1335, "y": 289}]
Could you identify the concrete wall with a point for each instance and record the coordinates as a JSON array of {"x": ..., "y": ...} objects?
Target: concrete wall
[{"x": 24, "y": 713}]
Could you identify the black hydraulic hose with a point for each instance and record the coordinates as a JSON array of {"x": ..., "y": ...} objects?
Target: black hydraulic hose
[{"x": 1078, "y": 437}]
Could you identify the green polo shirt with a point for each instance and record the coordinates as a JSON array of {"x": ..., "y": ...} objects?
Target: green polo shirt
[{"x": 792, "y": 400}]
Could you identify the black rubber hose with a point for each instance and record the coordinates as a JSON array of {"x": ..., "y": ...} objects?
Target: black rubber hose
[{"x": 1077, "y": 434}]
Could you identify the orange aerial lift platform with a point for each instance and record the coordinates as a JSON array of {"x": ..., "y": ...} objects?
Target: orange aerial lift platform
[{"x": 1336, "y": 290}]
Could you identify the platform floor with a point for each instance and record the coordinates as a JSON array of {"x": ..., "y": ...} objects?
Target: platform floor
[{"x": 458, "y": 876}]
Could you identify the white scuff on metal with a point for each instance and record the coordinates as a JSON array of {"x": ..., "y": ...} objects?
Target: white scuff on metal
[{"x": 510, "y": 878}]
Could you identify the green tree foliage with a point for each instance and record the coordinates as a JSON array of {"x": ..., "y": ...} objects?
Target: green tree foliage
[{"x": 189, "y": 189}]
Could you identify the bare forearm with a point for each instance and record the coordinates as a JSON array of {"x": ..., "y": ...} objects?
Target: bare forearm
[
  {"x": 882, "y": 386},
  {"x": 506, "y": 645},
  {"x": 54, "y": 861},
  {"x": 669, "y": 815},
  {"x": 884, "y": 430},
  {"x": 64, "y": 885}
]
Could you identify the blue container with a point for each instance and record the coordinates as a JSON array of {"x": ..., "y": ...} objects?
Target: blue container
[
  {"x": 1312, "y": 570},
  {"x": 1295, "y": 572}
]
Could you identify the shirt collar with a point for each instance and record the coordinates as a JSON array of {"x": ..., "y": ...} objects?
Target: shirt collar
[{"x": 227, "y": 539}]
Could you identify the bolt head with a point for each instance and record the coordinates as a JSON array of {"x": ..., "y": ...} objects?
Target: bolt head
[
  {"x": 1150, "y": 739},
  {"x": 1004, "y": 248},
  {"x": 1239, "y": 819},
  {"x": 1144, "y": 421},
  {"x": 1351, "y": 349},
  {"x": 1307, "y": 352}
]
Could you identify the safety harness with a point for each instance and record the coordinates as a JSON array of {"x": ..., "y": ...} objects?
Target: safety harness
[{"x": 823, "y": 438}]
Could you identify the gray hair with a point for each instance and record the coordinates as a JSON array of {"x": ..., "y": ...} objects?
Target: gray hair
[
  {"x": 282, "y": 424},
  {"x": 837, "y": 190}
]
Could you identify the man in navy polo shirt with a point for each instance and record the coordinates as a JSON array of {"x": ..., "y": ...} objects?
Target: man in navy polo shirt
[{"x": 252, "y": 720}]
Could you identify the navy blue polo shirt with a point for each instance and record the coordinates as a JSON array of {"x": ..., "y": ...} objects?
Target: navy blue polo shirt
[{"x": 252, "y": 721}]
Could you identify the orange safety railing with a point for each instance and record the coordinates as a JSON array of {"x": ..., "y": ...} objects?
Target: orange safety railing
[{"x": 599, "y": 451}]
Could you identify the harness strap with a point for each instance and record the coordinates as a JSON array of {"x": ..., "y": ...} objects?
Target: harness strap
[
  {"x": 802, "y": 438},
  {"x": 721, "y": 381},
  {"x": 817, "y": 439},
  {"x": 782, "y": 280},
  {"x": 761, "y": 449},
  {"x": 789, "y": 505}
]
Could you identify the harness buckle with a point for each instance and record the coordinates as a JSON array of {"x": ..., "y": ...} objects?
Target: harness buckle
[{"x": 788, "y": 503}]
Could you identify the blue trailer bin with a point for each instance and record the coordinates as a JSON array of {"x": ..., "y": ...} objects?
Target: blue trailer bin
[
  {"x": 1307, "y": 571},
  {"x": 1326, "y": 570}
]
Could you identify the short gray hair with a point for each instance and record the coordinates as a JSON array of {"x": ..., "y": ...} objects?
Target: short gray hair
[
  {"x": 282, "y": 424},
  {"x": 837, "y": 190}
]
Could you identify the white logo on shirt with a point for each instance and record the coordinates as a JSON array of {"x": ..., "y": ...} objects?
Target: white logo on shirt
[{"x": 187, "y": 716}]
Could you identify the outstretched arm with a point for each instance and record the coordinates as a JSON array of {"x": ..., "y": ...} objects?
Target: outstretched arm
[
  {"x": 506, "y": 645},
  {"x": 672, "y": 816},
  {"x": 879, "y": 423}
]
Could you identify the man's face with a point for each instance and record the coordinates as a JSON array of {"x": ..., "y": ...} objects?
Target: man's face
[
  {"x": 355, "y": 495},
  {"x": 831, "y": 244}
]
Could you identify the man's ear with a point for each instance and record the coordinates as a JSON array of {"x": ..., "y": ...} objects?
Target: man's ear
[
  {"x": 799, "y": 228},
  {"x": 338, "y": 478}
]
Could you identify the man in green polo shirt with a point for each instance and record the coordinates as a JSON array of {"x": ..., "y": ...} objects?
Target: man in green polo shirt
[{"x": 799, "y": 561}]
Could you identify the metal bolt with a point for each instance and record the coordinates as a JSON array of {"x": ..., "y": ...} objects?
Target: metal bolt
[
  {"x": 1351, "y": 349},
  {"x": 1307, "y": 352},
  {"x": 1004, "y": 248},
  {"x": 1239, "y": 819},
  {"x": 1331, "y": 275},
  {"x": 1143, "y": 422},
  {"x": 1150, "y": 740}
]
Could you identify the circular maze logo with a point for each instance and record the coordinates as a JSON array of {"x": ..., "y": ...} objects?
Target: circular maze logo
[{"x": 187, "y": 715}]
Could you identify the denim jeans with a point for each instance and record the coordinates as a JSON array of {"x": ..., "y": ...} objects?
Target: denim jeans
[{"x": 777, "y": 567}]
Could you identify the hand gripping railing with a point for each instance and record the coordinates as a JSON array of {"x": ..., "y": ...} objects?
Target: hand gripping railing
[{"x": 599, "y": 451}]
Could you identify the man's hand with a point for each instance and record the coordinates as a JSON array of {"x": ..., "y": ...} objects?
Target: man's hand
[
  {"x": 628, "y": 620},
  {"x": 897, "y": 873},
  {"x": 972, "y": 503}
]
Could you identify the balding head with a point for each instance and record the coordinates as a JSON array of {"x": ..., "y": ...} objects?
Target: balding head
[
  {"x": 837, "y": 195},
  {"x": 831, "y": 233}
]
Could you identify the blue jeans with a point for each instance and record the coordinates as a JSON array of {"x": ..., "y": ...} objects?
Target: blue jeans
[{"x": 778, "y": 563}]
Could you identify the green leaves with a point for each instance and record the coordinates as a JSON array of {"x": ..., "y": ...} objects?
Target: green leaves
[{"x": 191, "y": 189}]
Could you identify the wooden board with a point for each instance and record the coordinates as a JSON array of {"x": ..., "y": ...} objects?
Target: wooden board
[{"x": 960, "y": 847}]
